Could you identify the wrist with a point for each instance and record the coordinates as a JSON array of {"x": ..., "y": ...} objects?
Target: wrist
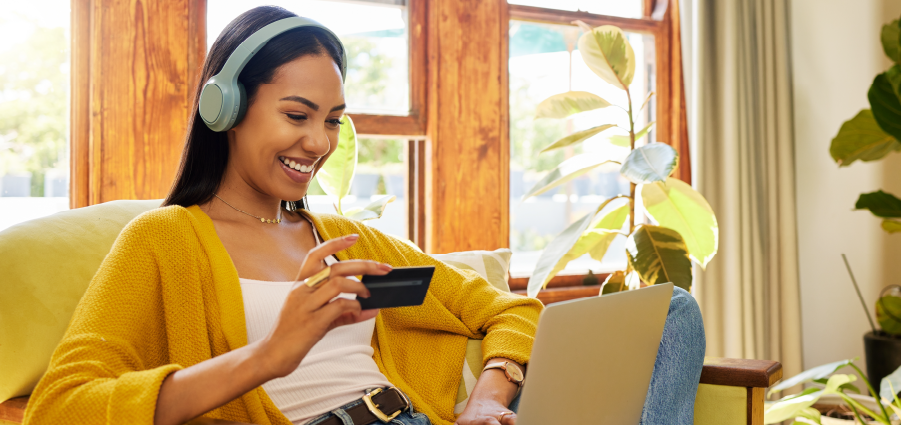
[{"x": 268, "y": 363}]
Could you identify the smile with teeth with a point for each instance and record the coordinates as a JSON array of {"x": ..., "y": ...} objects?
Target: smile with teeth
[{"x": 296, "y": 166}]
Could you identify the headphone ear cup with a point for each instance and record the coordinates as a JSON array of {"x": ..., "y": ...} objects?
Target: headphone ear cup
[{"x": 242, "y": 104}]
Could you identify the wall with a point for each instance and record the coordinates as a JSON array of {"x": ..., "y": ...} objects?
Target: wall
[{"x": 836, "y": 54}]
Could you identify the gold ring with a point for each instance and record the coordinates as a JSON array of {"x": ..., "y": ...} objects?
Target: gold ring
[
  {"x": 500, "y": 418},
  {"x": 318, "y": 278}
]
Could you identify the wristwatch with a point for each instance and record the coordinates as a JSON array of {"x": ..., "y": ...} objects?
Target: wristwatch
[{"x": 513, "y": 372}]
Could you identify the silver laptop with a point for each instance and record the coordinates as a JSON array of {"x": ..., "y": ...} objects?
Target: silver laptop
[{"x": 592, "y": 359}]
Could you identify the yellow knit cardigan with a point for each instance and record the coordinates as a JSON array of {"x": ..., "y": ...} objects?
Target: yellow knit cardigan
[{"x": 167, "y": 297}]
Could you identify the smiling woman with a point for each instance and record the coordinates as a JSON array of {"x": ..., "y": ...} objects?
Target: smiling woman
[{"x": 221, "y": 321}]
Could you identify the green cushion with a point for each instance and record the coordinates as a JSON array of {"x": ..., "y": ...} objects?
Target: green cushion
[
  {"x": 47, "y": 264},
  {"x": 493, "y": 266}
]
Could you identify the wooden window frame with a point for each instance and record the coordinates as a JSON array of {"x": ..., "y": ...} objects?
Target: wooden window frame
[
  {"x": 414, "y": 123},
  {"x": 671, "y": 126}
]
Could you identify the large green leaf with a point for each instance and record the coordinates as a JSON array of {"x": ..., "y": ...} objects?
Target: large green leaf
[
  {"x": 573, "y": 242},
  {"x": 891, "y": 40},
  {"x": 576, "y": 137},
  {"x": 791, "y": 406},
  {"x": 861, "y": 138},
  {"x": 650, "y": 163},
  {"x": 879, "y": 203},
  {"x": 626, "y": 142},
  {"x": 891, "y": 386},
  {"x": 613, "y": 220},
  {"x": 885, "y": 105},
  {"x": 894, "y": 78},
  {"x": 676, "y": 205},
  {"x": 337, "y": 173},
  {"x": 659, "y": 255},
  {"x": 810, "y": 375},
  {"x": 615, "y": 282},
  {"x": 891, "y": 226},
  {"x": 572, "y": 102},
  {"x": 374, "y": 210},
  {"x": 566, "y": 171},
  {"x": 888, "y": 314},
  {"x": 608, "y": 53}
]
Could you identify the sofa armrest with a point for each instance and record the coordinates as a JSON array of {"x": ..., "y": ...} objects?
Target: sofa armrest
[{"x": 732, "y": 391}]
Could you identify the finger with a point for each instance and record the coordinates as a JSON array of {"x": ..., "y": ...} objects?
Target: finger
[
  {"x": 334, "y": 287},
  {"x": 509, "y": 419},
  {"x": 360, "y": 267},
  {"x": 367, "y": 314},
  {"x": 312, "y": 263},
  {"x": 334, "y": 310}
]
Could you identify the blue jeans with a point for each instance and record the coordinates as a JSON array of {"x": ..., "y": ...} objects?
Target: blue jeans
[
  {"x": 674, "y": 382},
  {"x": 677, "y": 370}
]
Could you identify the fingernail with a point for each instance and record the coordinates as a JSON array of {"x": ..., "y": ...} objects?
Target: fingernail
[
  {"x": 351, "y": 238},
  {"x": 386, "y": 267}
]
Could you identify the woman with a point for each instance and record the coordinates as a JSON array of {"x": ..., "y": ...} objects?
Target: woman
[{"x": 199, "y": 308}]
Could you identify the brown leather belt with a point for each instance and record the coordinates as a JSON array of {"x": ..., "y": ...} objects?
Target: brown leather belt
[{"x": 380, "y": 405}]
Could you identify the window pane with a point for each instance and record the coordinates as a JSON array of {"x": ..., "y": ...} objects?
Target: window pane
[
  {"x": 622, "y": 8},
  {"x": 545, "y": 61},
  {"x": 34, "y": 116},
  {"x": 381, "y": 170},
  {"x": 374, "y": 34}
]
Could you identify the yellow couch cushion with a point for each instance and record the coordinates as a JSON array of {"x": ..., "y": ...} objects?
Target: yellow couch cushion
[{"x": 46, "y": 266}]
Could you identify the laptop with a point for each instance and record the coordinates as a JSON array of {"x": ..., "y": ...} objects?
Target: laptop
[{"x": 593, "y": 358}]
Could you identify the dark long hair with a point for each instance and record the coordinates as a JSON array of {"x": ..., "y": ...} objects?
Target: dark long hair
[{"x": 205, "y": 154}]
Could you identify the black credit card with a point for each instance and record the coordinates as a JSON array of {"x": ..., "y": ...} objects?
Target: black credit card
[{"x": 401, "y": 287}]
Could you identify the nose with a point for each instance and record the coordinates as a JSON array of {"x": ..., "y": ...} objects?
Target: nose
[{"x": 316, "y": 144}]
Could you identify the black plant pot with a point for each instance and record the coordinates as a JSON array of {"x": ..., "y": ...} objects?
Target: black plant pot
[{"x": 883, "y": 353}]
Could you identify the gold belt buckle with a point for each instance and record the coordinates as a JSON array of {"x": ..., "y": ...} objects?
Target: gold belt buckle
[{"x": 374, "y": 408}]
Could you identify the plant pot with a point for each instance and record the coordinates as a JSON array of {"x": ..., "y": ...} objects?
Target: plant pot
[
  {"x": 834, "y": 403},
  {"x": 883, "y": 353}
]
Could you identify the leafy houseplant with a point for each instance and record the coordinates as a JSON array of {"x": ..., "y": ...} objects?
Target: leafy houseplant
[
  {"x": 869, "y": 136},
  {"x": 685, "y": 226},
  {"x": 874, "y": 133},
  {"x": 337, "y": 174},
  {"x": 799, "y": 407}
]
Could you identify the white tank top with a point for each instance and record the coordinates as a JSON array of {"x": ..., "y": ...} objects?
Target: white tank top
[{"x": 335, "y": 372}]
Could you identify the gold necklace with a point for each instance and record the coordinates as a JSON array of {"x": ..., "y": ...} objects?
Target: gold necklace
[{"x": 262, "y": 220}]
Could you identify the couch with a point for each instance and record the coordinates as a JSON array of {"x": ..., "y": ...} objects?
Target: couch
[{"x": 47, "y": 263}]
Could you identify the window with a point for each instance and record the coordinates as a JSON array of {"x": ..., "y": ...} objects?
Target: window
[
  {"x": 544, "y": 60},
  {"x": 380, "y": 171},
  {"x": 375, "y": 36},
  {"x": 34, "y": 102},
  {"x": 383, "y": 92},
  {"x": 624, "y": 9}
]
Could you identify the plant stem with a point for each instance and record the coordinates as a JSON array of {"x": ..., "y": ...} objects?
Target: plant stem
[
  {"x": 855, "y": 406},
  {"x": 631, "y": 148},
  {"x": 870, "y": 387}
]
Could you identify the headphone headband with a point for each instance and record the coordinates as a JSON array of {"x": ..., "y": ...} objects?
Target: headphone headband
[{"x": 223, "y": 101}]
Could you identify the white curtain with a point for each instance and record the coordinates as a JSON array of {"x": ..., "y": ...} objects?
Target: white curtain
[{"x": 740, "y": 122}]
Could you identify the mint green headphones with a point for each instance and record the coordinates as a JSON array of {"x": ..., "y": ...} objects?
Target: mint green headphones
[{"x": 223, "y": 100}]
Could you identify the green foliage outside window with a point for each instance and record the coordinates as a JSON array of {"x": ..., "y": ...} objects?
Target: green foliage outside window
[{"x": 34, "y": 98}]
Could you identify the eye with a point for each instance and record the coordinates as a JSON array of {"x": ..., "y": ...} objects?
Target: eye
[
  {"x": 297, "y": 117},
  {"x": 335, "y": 123}
]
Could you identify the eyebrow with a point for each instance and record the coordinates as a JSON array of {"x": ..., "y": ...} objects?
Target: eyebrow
[{"x": 311, "y": 104}]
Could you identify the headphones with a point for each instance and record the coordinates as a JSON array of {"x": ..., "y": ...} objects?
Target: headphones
[{"x": 223, "y": 100}]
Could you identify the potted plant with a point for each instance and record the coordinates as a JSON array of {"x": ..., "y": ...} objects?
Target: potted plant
[
  {"x": 807, "y": 407},
  {"x": 683, "y": 227},
  {"x": 869, "y": 136}
]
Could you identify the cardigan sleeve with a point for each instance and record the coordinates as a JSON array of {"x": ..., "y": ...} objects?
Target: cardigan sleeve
[
  {"x": 506, "y": 322},
  {"x": 110, "y": 364}
]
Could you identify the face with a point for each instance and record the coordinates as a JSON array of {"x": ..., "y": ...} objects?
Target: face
[{"x": 290, "y": 128}]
